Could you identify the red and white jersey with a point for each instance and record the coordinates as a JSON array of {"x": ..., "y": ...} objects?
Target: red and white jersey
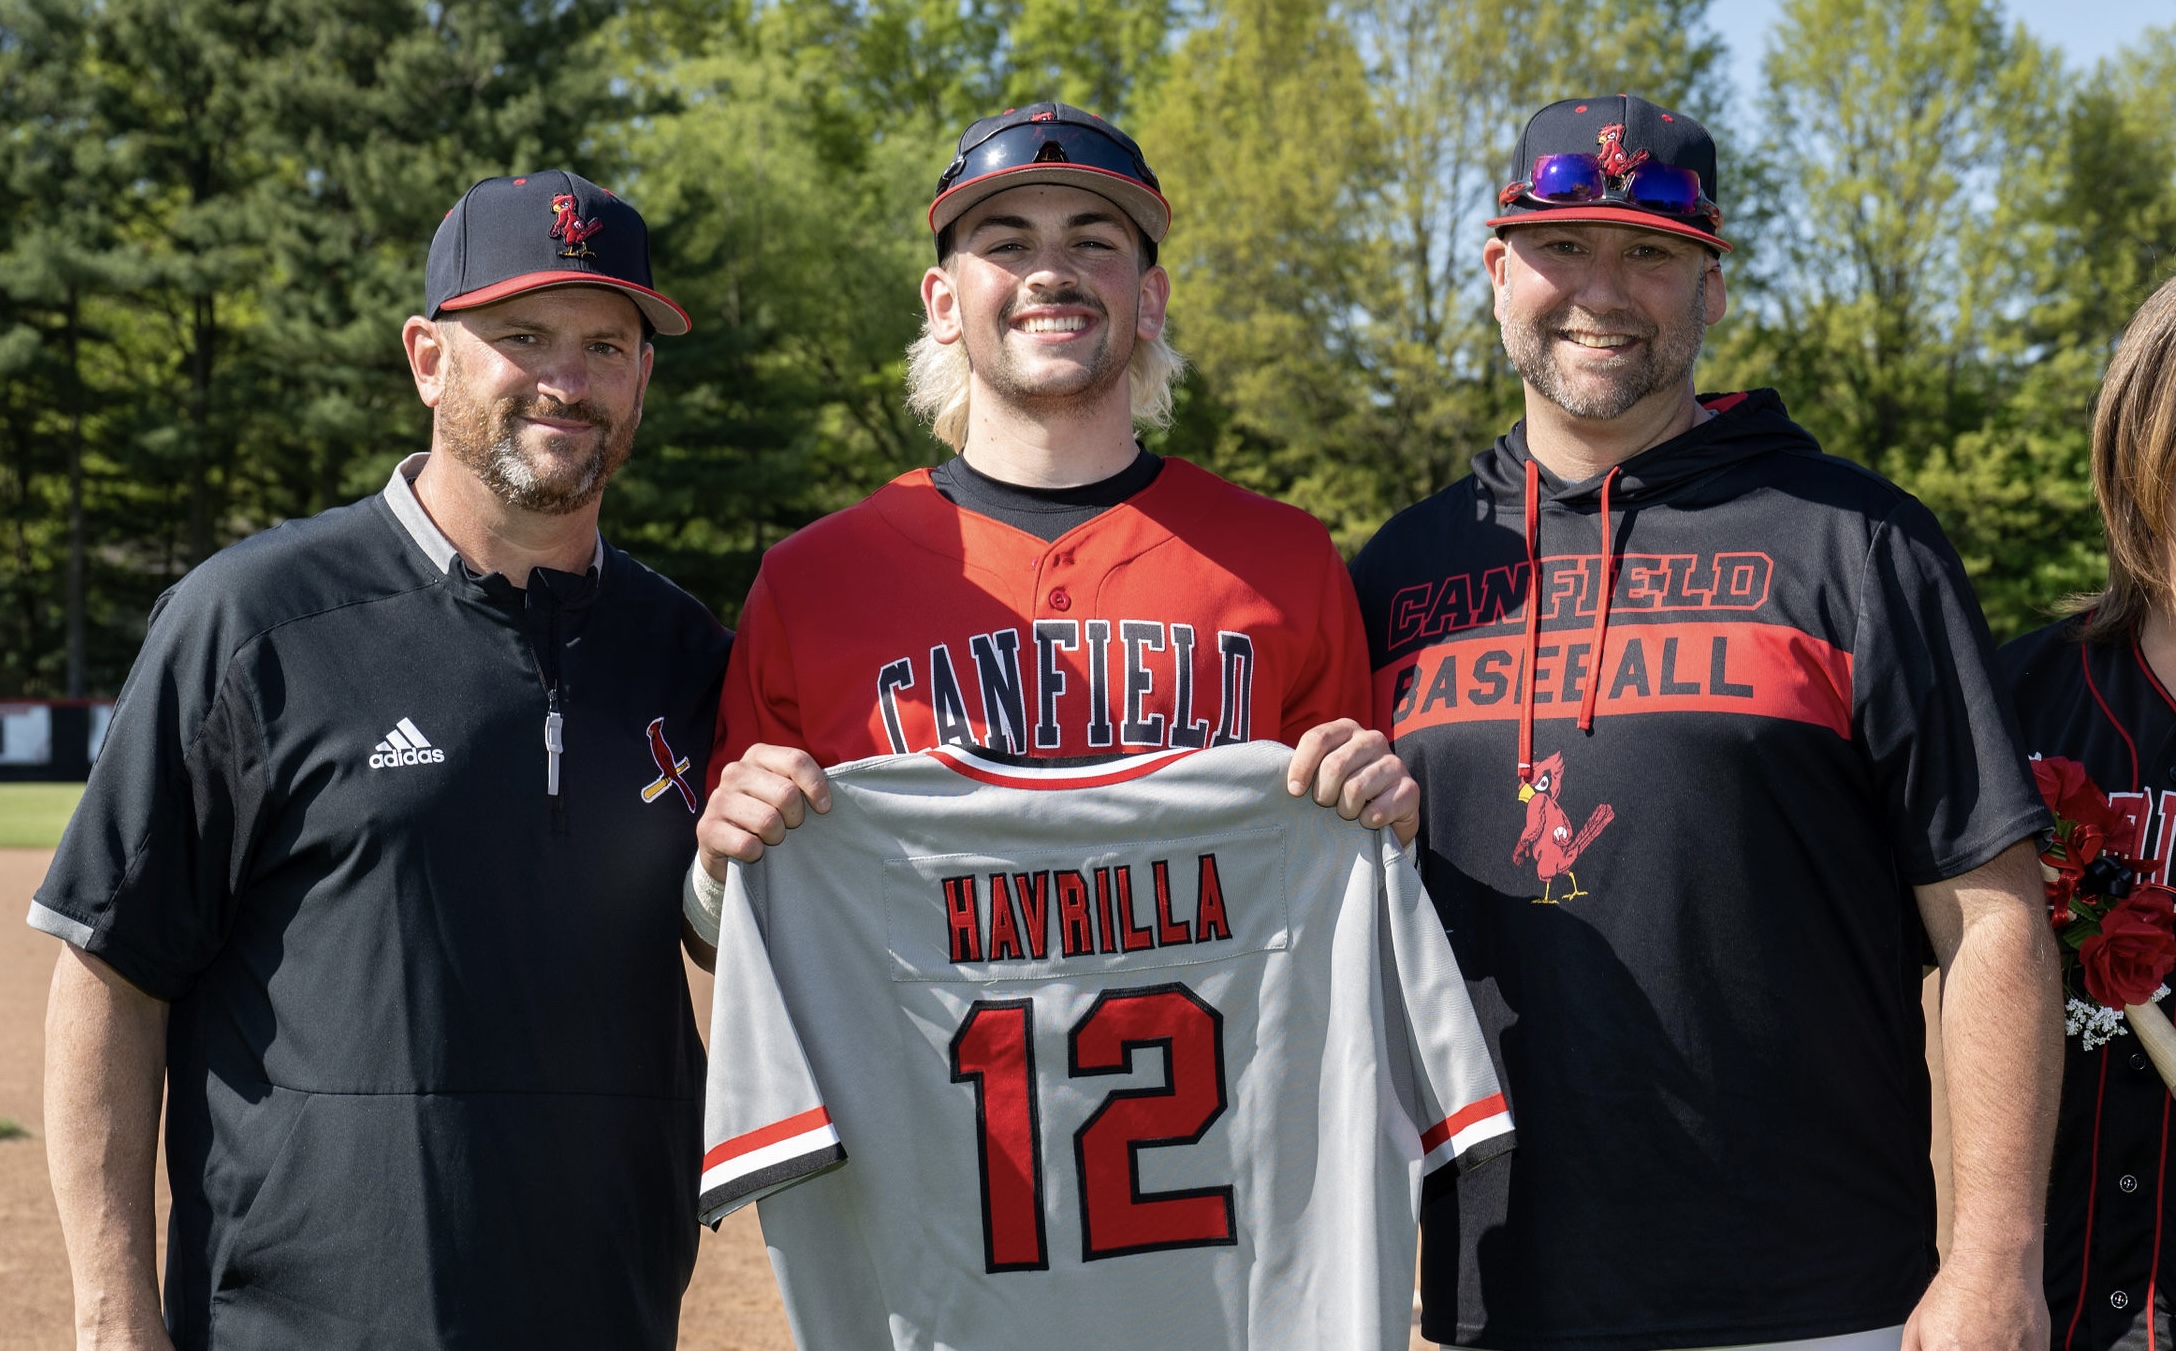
[
  {"x": 1194, "y": 613},
  {"x": 1139, "y": 1053}
]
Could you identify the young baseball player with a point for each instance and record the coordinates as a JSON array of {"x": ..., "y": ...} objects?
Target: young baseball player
[{"x": 1056, "y": 589}]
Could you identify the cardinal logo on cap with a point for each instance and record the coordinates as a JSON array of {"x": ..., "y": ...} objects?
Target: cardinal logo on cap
[
  {"x": 1615, "y": 162},
  {"x": 570, "y": 229}
]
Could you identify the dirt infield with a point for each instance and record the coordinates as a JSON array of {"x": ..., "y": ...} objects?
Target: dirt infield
[{"x": 732, "y": 1304}]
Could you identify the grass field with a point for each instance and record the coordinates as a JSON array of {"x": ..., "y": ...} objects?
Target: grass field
[{"x": 32, "y": 815}]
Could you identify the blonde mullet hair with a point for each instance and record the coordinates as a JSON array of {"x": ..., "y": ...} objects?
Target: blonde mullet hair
[
  {"x": 937, "y": 384},
  {"x": 2134, "y": 461}
]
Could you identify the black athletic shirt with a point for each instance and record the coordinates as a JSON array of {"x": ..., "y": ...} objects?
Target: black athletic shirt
[
  {"x": 433, "y": 1075},
  {"x": 1692, "y": 938},
  {"x": 2110, "y": 1200},
  {"x": 1045, "y": 513}
]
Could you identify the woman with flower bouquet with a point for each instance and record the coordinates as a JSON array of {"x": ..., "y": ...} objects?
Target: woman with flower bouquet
[{"x": 2093, "y": 694}]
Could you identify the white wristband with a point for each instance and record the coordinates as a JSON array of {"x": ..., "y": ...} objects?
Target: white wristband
[{"x": 702, "y": 897}]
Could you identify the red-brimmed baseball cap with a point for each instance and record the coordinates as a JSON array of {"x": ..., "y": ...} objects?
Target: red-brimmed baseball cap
[
  {"x": 1050, "y": 143},
  {"x": 1625, "y": 133},
  {"x": 510, "y": 235}
]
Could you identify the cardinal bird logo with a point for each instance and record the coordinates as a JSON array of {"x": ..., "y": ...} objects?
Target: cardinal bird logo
[
  {"x": 671, "y": 769},
  {"x": 1616, "y": 161},
  {"x": 569, "y": 229},
  {"x": 1549, "y": 838}
]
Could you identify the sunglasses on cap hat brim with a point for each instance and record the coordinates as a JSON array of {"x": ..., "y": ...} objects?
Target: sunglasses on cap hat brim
[
  {"x": 1575, "y": 187},
  {"x": 1051, "y": 152}
]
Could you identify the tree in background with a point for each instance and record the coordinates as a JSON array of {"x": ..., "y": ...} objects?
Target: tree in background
[
  {"x": 786, "y": 177},
  {"x": 234, "y": 201},
  {"x": 1332, "y": 166},
  {"x": 1938, "y": 245},
  {"x": 1955, "y": 265}
]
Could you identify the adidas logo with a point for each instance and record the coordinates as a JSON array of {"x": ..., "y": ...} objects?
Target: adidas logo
[{"x": 405, "y": 745}]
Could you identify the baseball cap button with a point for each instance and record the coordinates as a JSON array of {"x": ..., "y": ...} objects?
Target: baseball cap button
[{"x": 1060, "y": 601}]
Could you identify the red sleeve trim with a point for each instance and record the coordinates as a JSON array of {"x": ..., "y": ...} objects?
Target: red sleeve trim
[
  {"x": 1433, "y": 1138},
  {"x": 813, "y": 1119}
]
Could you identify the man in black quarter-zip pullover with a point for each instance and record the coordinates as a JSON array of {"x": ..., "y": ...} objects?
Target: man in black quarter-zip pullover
[
  {"x": 1709, "y": 752},
  {"x": 377, "y": 878}
]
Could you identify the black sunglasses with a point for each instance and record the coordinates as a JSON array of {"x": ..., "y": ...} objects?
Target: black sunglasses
[{"x": 1026, "y": 143}]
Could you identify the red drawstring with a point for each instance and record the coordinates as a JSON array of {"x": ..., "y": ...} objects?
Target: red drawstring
[
  {"x": 1533, "y": 621},
  {"x": 1533, "y": 614},
  {"x": 1601, "y": 606}
]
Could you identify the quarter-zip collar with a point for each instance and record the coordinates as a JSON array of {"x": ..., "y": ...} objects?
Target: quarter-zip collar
[
  {"x": 1744, "y": 427},
  {"x": 550, "y": 610},
  {"x": 400, "y": 496}
]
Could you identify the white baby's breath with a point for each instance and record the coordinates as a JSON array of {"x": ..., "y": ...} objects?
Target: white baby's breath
[{"x": 2094, "y": 1024}]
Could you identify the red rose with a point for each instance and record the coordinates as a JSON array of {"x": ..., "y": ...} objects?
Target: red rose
[
  {"x": 2135, "y": 949},
  {"x": 2059, "y": 781},
  {"x": 2073, "y": 796}
]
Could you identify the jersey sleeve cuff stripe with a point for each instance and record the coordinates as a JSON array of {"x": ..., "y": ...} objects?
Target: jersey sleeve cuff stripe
[
  {"x": 794, "y": 1134},
  {"x": 1463, "y": 1130},
  {"x": 725, "y": 1192},
  {"x": 45, "y": 919}
]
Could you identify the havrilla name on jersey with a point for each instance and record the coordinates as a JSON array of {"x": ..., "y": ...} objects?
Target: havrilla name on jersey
[
  {"x": 1128, "y": 683},
  {"x": 1013, "y": 916}
]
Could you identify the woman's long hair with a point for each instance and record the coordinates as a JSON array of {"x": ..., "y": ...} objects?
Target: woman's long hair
[{"x": 2134, "y": 463}]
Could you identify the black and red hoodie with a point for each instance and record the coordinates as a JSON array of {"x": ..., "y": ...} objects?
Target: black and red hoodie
[{"x": 1677, "y": 866}]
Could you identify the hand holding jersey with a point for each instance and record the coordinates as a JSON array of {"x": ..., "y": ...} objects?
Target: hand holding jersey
[
  {"x": 1137, "y": 1052},
  {"x": 771, "y": 789}
]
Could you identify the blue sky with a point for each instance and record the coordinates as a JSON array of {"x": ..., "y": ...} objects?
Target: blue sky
[{"x": 2086, "y": 30}]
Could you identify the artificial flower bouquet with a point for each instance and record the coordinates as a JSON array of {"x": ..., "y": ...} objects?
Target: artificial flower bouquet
[{"x": 2115, "y": 930}]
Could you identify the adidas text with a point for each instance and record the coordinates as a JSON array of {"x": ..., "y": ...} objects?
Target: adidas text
[
  {"x": 395, "y": 759},
  {"x": 405, "y": 745}
]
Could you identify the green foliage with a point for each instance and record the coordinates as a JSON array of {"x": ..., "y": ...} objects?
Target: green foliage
[
  {"x": 231, "y": 203},
  {"x": 198, "y": 322},
  {"x": 1963, "y": 229},
  {"x": 1330, "y": 167}
]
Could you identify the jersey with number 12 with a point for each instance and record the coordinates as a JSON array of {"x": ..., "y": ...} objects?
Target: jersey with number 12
[{"x": 1125, "y": 1054}]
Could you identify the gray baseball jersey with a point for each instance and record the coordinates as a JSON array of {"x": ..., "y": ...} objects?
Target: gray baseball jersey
[{"x": 1132, "y": 1053}]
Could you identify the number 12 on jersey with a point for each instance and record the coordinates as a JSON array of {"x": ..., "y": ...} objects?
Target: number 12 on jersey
[{"x": 994, "y": 1050}]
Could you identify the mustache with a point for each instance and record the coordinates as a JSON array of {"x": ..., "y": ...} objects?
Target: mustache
[
  {"x": 1067, "y": 295},
  {"x": 1614, "y": 321},
  {"x": 544, "y": 406}
]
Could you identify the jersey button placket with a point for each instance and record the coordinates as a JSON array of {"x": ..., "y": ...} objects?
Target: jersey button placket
[{"x": 1050, "y": 569}]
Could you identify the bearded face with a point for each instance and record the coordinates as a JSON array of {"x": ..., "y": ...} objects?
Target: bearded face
[
  {"x": 1624, "y": 356},
  {"x": 531, "y": 450}
]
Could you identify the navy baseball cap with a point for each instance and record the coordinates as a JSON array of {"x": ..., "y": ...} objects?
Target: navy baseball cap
[
  {"x": 1050, "y": 143},
  {"x": 1614, "y": 160},
  {"x": 510, "y": 235}
]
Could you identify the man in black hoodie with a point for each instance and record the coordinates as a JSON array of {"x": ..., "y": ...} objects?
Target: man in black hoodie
[{"x": 1710, "y": 763}]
